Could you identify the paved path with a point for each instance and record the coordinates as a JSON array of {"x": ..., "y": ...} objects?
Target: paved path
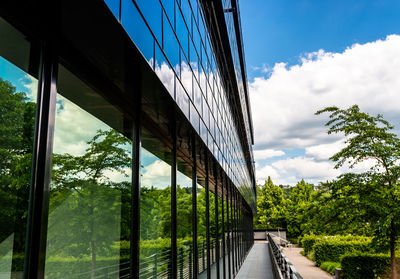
[
  {"x": 304, "y": 266},
  {"x": 257, "y": 264}
]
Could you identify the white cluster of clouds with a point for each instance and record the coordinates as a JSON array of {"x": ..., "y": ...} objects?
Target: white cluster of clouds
[{"x": 285, "y": 100}]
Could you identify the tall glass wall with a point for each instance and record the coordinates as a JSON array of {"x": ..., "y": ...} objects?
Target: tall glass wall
[
  {"x": 155, "y": 208},
  {"x": 184, "y": 224},
  {"x": 173, "y": 38},
  {"x": 88, "y": 230},
  {"x": 201, "y": 228},
  {"x": 18, "y": 92}
]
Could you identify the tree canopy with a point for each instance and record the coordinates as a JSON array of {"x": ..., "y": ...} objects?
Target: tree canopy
[{"x": 370, "y": 138}]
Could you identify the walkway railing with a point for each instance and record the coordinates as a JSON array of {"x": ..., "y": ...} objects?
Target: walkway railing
[{"x": 283, "y": 268}]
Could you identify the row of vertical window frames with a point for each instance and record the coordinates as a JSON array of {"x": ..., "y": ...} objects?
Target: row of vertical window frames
[
  {"x": 181, "y": 49},
  {"x": 202, "y": 46},
  {"x": 213, "y": 107}
]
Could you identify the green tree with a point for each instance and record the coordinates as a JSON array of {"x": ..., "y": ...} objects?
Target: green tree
[
  {"x": 369, "y": 138},
  {"x": 85, "y": 204},
  {"x": 17, "y": 118},
  {"x": 298, "y": 204},
  {"x": 271, "y": 206}
]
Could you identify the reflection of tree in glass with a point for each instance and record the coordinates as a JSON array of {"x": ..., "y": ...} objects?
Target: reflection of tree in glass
[
  {"x": 17, "y": 116},
  {"x": 89, "y": 212}
]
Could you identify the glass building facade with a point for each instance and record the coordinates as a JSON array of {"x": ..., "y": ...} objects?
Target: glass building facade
[{"x": 125, "y": 140}]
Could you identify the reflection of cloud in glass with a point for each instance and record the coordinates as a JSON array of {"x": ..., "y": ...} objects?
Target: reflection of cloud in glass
[
  {"x": 183, "y": 180},
  {"x": 31, "y": 85},
  {"x": 74, "y": 127},
  {"x": 22, "y": 81},
  {"x": 166, "y": 75},
  {"x": 157, "y": 174}
]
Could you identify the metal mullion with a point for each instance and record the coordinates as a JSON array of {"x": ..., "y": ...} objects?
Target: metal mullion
[
  {"x": 232, "y": 229},
  {"x": 223, "y": 226},
  {"x": 228, "y": 229},
  {"x": 35, "y": 252},
  {"x": 135, "y": 190},
  {"x": 194, "y": 211},
  {"x": 207, "y": 188},
  {"x": 174, "y": 269},
  {"x": 236, "y": 232},
  {"x": 216, "y": 223}
]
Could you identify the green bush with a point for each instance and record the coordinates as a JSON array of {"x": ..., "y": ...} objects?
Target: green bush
[
  {"x": 364, "y": 266},
  {"x": 308, "y": 241},
  {"x": 331, "y": 250},
  {"x": 299, "y": 241},
  {"x": 330, "y": 267}
]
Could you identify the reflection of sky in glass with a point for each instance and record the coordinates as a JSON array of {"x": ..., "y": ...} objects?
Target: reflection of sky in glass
[
  {"x": 72, "y": 138},
  {"x": 197, "y": 52},
  {"x": 155, "y": 172},
  {"x": 22, "y": 81}
]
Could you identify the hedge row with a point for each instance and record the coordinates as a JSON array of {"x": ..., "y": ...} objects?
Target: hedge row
[
  {"x": 332, "y": 250},
  {"x": 364, "y": 266},
  {"x": 308, "y": 241}
]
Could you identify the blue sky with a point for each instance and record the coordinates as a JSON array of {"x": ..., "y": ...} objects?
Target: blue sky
[
  {"x": 304, "y": 55},
  {"x": 279, "y": 31}
]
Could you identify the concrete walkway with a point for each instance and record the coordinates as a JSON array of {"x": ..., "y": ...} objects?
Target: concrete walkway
[
  {"x": 257, "y": 264},
  {"x": 304, "y": 266}
]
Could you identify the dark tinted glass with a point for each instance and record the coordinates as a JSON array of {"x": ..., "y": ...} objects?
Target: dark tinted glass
[
  {"x": 152, "y": 13},
  {"x": 137, "y": 30},
  {"x": 88, "y": 233},
  {"x": 18, "y": 92},
  {"x": 201, "y": 229},
  {"x": 184, "y": 221},
  {"x": 182, "y": 33},
  {"x": 171, "y": 46},
  {"x": 164, "y": 71},
  {"x": 155, "y": 208}
]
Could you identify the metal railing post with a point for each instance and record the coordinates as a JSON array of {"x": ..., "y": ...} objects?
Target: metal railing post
[
  {"x": 155, "y": 267},
  {"x": 181, "y": 262},
  {"x": 190, "y": 263}
]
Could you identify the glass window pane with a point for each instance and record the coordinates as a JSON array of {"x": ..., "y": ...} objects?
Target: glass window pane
[
  {"x": 187, "y": 78},
  {"x": 89, "y": 214},
  {"x": 155, "y": 208},
  {"x": 182, "y": 99},
  {"x": 18, "y": 92},
  {"x": 182, "y": 33},
  {"x": 187, "y": 13},
  {"x": 137, "y": 30},
  {"x": 169, "y": 8},
  {"x": 193, "y": 59},
  {"x": 152, "y": 13},
  {"x": 164, "y": 72},
  {"x": 201, "y": 228},
  {"x": 213, "y": 251},
  {"x": 220, "y": 221},
  {"x": 184, "y": 221},
  {"x": 194, "y": 117},
  {"x": 171, "y": 46}
]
